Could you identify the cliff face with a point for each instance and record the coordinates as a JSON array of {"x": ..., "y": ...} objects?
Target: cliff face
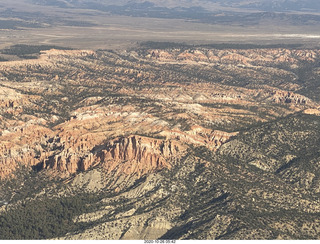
[
  {"x": 128, "y": 155},
  {"x": 141, "y": 155},
  {"x": 21, "y": 145},
  {"x": 289, "y": 97}
]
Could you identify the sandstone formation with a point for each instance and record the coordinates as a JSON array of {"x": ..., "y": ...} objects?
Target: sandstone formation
[
  {"x": 75, "y": 99},
  {"x": 312, "y": 111},
  {"x": 162, "y": 143},
  {"x": 200, "y": 136},
  {"x": 140, "y": 154},
  {"x": 231, "y": 56},
  {"x": 289, "y": 97}
]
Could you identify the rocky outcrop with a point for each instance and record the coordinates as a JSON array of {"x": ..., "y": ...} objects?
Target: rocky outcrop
[
  {"x": 130, "y": 155},
  {"x": 288, "y": 97},
  {"x": 141, "y": 155},
  {"x": 234, "y": 56},
  {"x": 70, "y": 152},
  {"x": 199, "y": 136},
  {"x": 312, "y": 111},
  {"x": 21, "y": 145},
  {"x": 12, "y": 102}
]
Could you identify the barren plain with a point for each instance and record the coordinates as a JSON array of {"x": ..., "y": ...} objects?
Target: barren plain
[{"x": 103, "y": 25}]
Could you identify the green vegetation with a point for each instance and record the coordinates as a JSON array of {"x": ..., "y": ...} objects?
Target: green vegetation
[
  {"x": 33, "y": 212},
  {"x": 46, "y": 218},
  {"x": 2, "y": 59},
  {"x": 26, "y": 51}
]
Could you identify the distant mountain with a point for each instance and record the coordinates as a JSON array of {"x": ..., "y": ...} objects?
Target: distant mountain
[
  {"x": 261, "y": 5},
  {"x": 230, "y": 12},
  {"x": 283, "y": 5}
]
